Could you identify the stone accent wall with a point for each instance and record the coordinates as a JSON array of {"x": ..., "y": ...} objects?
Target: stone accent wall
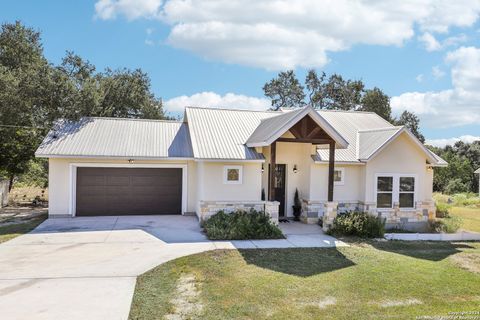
[
  {"x": 312, "y": 211},
  {"x": 413, "y": 219},
  {"x": 209, "y": 208},
  {"x": 330, "y": 214}
]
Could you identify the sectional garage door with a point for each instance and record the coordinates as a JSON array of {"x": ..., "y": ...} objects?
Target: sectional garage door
[{"x": 128, "y": 191}]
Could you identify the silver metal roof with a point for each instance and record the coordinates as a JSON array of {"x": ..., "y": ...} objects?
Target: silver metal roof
[
  {"x": 477, "y": 171},
  {"x": 369, "y": 141},
  {"x": 222, "y": 133},
  {"x": 271, "y": 128},
  {"x": 214, "y": 134},
  {"x": 113, "y": 137}
]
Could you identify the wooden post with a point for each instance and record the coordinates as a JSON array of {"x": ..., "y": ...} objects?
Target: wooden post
[
  {"x": 271, "y": 172},
  {"x": 331, "y": 168}
]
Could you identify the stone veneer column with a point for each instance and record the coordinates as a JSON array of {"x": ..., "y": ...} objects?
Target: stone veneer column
[
  {"x": 329, "y": 215},
  {"x": 271, "y": 208}
]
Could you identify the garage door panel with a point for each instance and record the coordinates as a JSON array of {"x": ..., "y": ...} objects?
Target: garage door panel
[{"x": 128, "y": 191}]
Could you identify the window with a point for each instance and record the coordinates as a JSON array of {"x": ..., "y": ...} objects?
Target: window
[
  {"x": 339, "y": 176},
  {"x": 232, "y": 174},
  {"x": 384, "y": 192},
  {"x": 395, "y": 188},
  {"x": 406, "y": 192}
]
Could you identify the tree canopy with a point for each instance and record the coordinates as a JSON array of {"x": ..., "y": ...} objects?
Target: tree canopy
[
  {"x": 335, "y": 93},
  {"x": 34, "y": 93}
]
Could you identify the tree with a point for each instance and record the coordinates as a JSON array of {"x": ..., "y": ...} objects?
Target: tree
[
  {"x": 374, "y": 100},
  {"x": 412, "y": 123},
  {"x": 35, "y": 93},
  {"x": 285, "y": 91}
]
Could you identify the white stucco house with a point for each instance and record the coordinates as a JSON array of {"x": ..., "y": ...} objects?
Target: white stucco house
[{"x": 222, "y": 159}]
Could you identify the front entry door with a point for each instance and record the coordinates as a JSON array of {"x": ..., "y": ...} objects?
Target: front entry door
[{"x": 279, "y": 186}]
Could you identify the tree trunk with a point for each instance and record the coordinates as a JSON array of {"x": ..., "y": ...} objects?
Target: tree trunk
[{"x": 10, "y": 185}]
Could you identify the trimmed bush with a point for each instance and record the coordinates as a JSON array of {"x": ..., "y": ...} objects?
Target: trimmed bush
[
  {"x": 443, "y": 210},
  {"x": 447, "y": 225},
  {"x": 241, "y": 225},
  {"x": 360, "y": 224}
]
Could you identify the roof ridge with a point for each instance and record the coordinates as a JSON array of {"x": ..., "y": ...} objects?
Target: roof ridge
[
  {"x": 234, "y": 109},
  {"x": 381, "y": 129},
  {"x": 346, "y": 111},
  {"x": 131, "y": 119}
]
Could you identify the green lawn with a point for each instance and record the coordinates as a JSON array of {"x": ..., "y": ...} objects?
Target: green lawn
[
  {"x": 470, "y": 217},
  {"x": 11, "y": 231},
  {"x": 396, "y": 280}
]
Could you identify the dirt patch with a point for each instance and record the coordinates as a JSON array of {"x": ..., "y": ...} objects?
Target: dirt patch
[
  {"x": 322, "y": 303},
  {"x": 399, "y": 303},
  {"x": 186, "y": 302},
  {"x": 12, "y": 215},
  {"x": 467, "y": 261}
]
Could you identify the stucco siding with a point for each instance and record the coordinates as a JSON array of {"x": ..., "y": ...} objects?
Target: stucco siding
[
  {"x": 211, "y": 186},
  {"x": 351, "y": 190},
  {"x": 401, "y": 156},
  {"x": 60, "y": 181}
]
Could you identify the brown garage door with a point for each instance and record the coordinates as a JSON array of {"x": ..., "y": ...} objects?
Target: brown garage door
[{"x": 132, "y": 191}]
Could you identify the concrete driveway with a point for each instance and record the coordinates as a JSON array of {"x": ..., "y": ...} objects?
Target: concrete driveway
[{"x": 85, "y": 268}]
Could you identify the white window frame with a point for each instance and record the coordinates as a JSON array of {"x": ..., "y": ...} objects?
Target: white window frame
[
  {"x": 342, "y": 181},
  {"x": 396, "y": 189},
  {"x": 240, "y": 174}
]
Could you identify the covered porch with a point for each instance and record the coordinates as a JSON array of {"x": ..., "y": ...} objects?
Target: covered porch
[{"x": 289, "y": 154}]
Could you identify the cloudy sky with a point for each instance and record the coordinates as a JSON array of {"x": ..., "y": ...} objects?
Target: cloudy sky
[{"x": 425, "y": 54}]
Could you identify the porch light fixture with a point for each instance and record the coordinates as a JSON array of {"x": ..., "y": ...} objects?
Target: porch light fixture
[
  {"x": 295, "y": 170},
  {"x": 130, "y": 160},
  {"x": 263, "y": 169}
]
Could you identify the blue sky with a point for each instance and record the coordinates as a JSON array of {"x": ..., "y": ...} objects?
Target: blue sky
[{"x": 221, "y": 53}]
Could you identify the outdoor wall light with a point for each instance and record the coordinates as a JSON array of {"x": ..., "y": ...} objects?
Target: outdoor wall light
[
  {"x": 130, "y": 160},
  {"x": 295, "y": 169},
  {"x": 263, "y": 169}
]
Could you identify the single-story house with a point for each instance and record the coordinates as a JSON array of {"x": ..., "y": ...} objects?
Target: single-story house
[{"x": 225, "y": 159}]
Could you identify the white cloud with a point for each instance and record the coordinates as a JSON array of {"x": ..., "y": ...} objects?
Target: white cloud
[
  {"x": 214, "y": 100},
  {"x": 453, "y": 107},
  {"x": 432, "y": 44},
  {"x": 149, "y": 42},
  {"x": 131, "y": 9},
  {"x": 437, "y": 72},
  {"x": 419, "y": 78},
  {"x": 450, "y": 141},
  {"x": 279, "y": 34}
]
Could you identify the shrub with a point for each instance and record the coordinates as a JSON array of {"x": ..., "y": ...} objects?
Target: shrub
[
  {"x": 361, "y": 224},
  {"x": 456, "y": 186},
  {"x": 466, "y": 199},
  {"x": 443, "y": 210},
  {"x": 447, "y": 225},
  {"x": 241, "y": 225}
]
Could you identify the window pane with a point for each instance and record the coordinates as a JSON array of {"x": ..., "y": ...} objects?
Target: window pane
[
  {"x": 384, "y": 200},
  {"x": 385, "y": 184},
  {"x": 406, "y": 200},
  {"x": 233, "y": 175},
  {"x": 407, "y": 183},
  {"x": 337, "y": 175}
]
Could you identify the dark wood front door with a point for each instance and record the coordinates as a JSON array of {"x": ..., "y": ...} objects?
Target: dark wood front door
[
  {"x": 279, "y": 186},
  {"x": 128, "y": 191}
]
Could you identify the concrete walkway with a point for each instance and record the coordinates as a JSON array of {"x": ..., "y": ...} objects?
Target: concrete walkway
[{"x": 85, "y": 268}]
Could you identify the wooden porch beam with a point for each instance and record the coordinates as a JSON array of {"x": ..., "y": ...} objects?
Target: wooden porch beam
[
  {"x": 271, "y": 171},
  {"x": 305, "y": 140},
  {"x": 331, "y": 168}
]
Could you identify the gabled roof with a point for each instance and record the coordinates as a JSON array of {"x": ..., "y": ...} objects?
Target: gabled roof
[
  {"x": 114, "y": 137},
  {"x": 477, "y": 171},
  {"x": 222, "y": 133},
  {"x": 270, "y": 129}
]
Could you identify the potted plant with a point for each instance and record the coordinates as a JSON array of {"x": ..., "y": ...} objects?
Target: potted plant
[{"x": 297, "y": 206}]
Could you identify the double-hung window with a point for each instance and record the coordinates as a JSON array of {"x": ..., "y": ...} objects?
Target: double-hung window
[{"x": 395, "y": 188}]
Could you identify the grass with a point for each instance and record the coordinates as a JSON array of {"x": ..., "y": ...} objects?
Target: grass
[
  {"x": 21, "y": 195},
  {"x": 465, "y": 206},
  {"x": 470, "y": 217},
  {"x": 10, "y": 231},
  {"x": 391, "y": 279}
]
